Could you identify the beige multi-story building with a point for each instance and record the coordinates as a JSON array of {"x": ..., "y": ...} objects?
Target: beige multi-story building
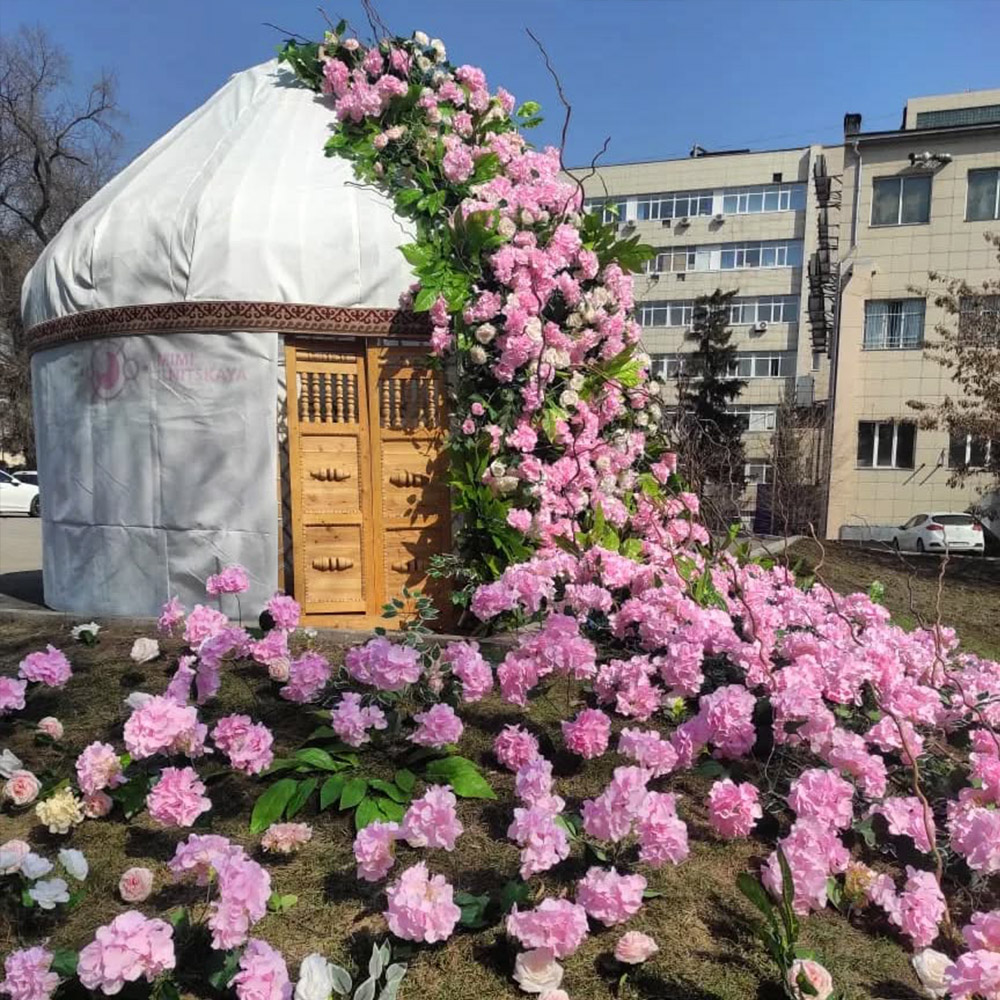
[
  {"x": 915, "y": 200},
  {"x": 822, "y": 266}
]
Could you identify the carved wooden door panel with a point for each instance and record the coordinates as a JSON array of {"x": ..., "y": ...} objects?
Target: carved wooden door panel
[
  {"x": 329, "y": 450},
  {"x": 370, "y": 501}
]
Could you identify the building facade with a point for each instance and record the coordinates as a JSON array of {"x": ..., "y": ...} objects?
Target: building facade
[{"x": 822, "y": 245}]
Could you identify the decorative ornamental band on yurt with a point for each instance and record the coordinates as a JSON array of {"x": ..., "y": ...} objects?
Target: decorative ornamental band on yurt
[{"x": 554, "y": 421}]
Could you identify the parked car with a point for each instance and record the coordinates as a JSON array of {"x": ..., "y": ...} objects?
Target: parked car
[
  {"x": 28, "y": 476},
  {"x": 944, "y": 531},
  {"x": 17, "y": 497}
]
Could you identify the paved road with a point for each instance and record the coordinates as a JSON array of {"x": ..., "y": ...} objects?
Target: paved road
[{"x": 20, "y": 561}]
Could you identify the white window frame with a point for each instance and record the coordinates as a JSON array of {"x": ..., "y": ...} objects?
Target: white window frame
[
  {"x": 592, "y": 205},
  {"x": 765, "y": 472},
  {"x": 676, "y": 313},
  {"x": 996, "y": 199},
  {"x": 766, "y": 417},
  {"x": 899, "y": 201},
  {"x": 779, "y": 248},
  {"x": 664, "y": 206},
  {"x": 742, "y": 198},
  {"x": 987, "y": 456},
  {"x": 879, "y": 430},
  {"x": 880, "y": 312}
]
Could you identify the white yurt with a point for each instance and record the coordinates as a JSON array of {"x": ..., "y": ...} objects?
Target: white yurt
[{"x": 164, "y": 320}]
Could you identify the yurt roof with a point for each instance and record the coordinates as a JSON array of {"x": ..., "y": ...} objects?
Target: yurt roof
[{"x": 236, "y": 202}]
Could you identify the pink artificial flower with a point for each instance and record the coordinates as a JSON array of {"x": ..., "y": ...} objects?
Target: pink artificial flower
[
  {"x": 286, "y": 838},
  {"x": 431, "y": 820},
  {"x": 351, "y": 722},
  {"x": 308, "y": 674},
  {"x": 129, "y": 948},
  {"x": 202, "y": 623},
  {"x": 975, "y": 974},
  {"x": 470, "y": 667},
  {"x": 98, "y": 767},
  {"x": 514, "y": 747},
  {"x": 160, "y": 725},
  {"x": 555, "y": 923},
  {"x": 11, "y": 695},
  {"x": 285, "y": 611},
  {"x": 814, "y": 852},
  {"x": 97, "y": 805},
  {"x": 389, "y": 666},
  {"x": 609, "y": 897},
  {"x": 905, "y": 818},
  {"x": 178, "y": 798},
  {"x": 374, "y": 849},
  {"x": 421, "y": 906},
  {"x": 543, "y": 843},
  {"x": 171, "y": 614},
  {"x": 49, "y": 667},
  {"x": 263, "y": 974},
  {"x": 662, "y": 833},
  {"x": 611, "y": 815},
  {"x": 733, "y": 810},
  {"x": 28, "y": 975},
  {"x": 135, "y": 885},
  {"x": 247, "y": 744},
  {"x": 634, "y": 948},
  {"x": 232, "y": 580},
  {"x": 587, "y": 734},
  {"x": 533, "y": 785},
  {"x": 21, "y": 789},
  {"x": 821, "y": 794},
  {"x": 649, "y": 750},
  {"x": 244, "y": 889},
  {"x": 12, "y": 854},
  {"x": 50, "y": 726},
  {"x": 438, "y": 727},
  {"x": 819, "y": 979}
]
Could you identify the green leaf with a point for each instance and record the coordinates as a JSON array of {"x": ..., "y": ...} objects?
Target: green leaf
[
  {"x": 410, "y": 196},
  {"x": 426, "y": 297},
  {"x": 389, "y": 810},
  {"x": 223, "y": 966},
  {"x": 64, "y": 962},
  {"x": 754, "y": 892},
  {"x": 651, "y": 893},
  {"x": 366, "y": 813},
  {"x": 277, "y": 903},
  {"x": 132, "y": 795},
  {"x": 376, "y": 963},
  {"x": 405, "y": 779},
  {"x": 464, "y": 777},
  {"x": 330, "y": 791},
  {"x": 598, "y": 852},
  {"x": 354, "y": 791},
  {"x": 366, "y": 991},
  {"x": 395, "y": 793},
  {"x": 417, "y": 254},
  {"x": 473, "y": 909},
  {"x": 711, "y": 769},
  {"x": 301, "y": 797},
  {"x": 280, "y": 764},
  {"x": 269, "y": 807},
  {"x": 319, "y": 758},
  {"x": 342, "y": 981},
  {"x": 178, "y": 916},
  {"x": 514, "y": 891}
]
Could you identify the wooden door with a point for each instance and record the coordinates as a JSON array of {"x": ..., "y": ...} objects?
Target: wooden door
[{"x": 369, "y": 479}]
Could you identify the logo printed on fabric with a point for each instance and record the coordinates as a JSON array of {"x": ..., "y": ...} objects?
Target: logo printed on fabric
[
  {"x": 110, "y": 372},
  {"x": 184, "y": 368}
]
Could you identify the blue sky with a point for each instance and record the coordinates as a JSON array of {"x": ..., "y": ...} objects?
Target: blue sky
[{"x": 655, "y": 75}]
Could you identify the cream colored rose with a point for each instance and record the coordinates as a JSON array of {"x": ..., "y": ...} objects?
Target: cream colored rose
[
  {"x": 60, "y": 812},
  {"x": 635, "y": 947},
  {"x": 135, "y": 885},
  {"x": 279, "y": 669},
  {"x": 930, "y": 965},
  {"x": 21, "y": 788},
  {"x": 537, "y": 971},
  {"x": 51, "y": 726},
  {"x": 144, "y": 650}
]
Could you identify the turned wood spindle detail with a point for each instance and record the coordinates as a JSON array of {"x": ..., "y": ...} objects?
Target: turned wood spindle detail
[{"x": 332, "y": 564}]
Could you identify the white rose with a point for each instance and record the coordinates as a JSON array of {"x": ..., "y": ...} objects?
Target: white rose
[
  {"x": 137, "y": 699},
  {"x": 11, "y": 855},
  {"x": 477, "y": 355},
  {"x": 421, "y": 39},
  {"x": 568, "y": 398},
  {"x": 35, "y": 866},
  {"x": 497, "y": 469},
  {"x": 507, "y": 484},
  {"x": 930, "y": 965},
  {"x": 423, "y": 63},
  {"x": 47, "y": 894},
  {"x": 537, "y": 971},
  {"x": 86, "y": 631},
  {"x": 653, "y": 387},
  {"x": 315, "y": 979},
  {"x": 9, "y": 763},
  {"x": 533, "y": 329},
  {"x": 144, "y": 650},
  {"x": 440, "y": 52},
  {"x": 506, "y": 228},
  {"x": 486, "y": 333},
  {"x": 642, "y": 420},
  {"x": 577, "y": 381},
  {"x": 74, "y": 862}
]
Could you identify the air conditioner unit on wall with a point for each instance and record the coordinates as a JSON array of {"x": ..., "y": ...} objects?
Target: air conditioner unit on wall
[{"x": 760, "y": 326}]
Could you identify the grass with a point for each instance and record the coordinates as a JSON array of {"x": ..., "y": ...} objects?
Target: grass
[
  {"x": 969, "y": 587},
  {"x": 706, "y": 951}
]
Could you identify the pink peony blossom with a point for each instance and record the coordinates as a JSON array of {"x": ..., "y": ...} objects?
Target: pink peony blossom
[
  {"x": 171, "y": 614},
  {"x": 284, "y": 611},
  {"x": 263, "y": 974},
  {"x": 905, "y": 818},
  {"x": 286, "y": 838},
  {"x": 662, "y": 833},
  {"x": 98, "y": 767},
  {"x": 389, "y": 666},
  {"x": 975, "y": 974},
  {"x": 232, "y": 580},
  {"x": 160, "y": 725},
  {"x": 514, "y": 747},
  {"x": 49, "y": 667},
  {"x": 12, "y": 854},
  {"x": 178, "y": 798},
  {"x": 129, "y": 948},
  {"x": 469, "y": 666},
  {"x": 307, "y": 676},
  {"x": 28, "y": 975},
  {"x": 244, "y": 889},
  {"x": 587, "y": 734},
  {"x": 97, "y": 805},
  {"x": 611, "y": 815},
  {"x": 21, "y": 789},
  {"x": 135, "y": 885},
  {"x": 202, "y": 623},
  {"x": 11, "y": 695},
  {"x": 983, "y": 932},
  {"x": 247, "y": 744},
  {"x": 821, "y": 794},
  {"x": 438, "y": 727},
  {"x": 351, "y": 722},
  {"x": 649, "y": 750},
  {"x": 609, "y": 897},
  {"x": 634, "y": 948},
  {"x": 733, "y": 810},
  {"x": 374, "y": 849},
  {"x": 51, "y": 727},
  {"x": 557, "y": 924},
  {"x": 543, "y": 843},
  {"x": 431, "y": 820},
  {"x": 421, "y": 907}
]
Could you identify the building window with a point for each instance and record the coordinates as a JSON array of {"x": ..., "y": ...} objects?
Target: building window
[
  {"x": 761, "y": 366},
  {"x": 772, "y": 309},
  {"x": 893, "y": 324},
  {"x": 901, "y": 201},
  {"x": 755, "y": 418},
  {"x": 886, "y": 444},
  {"x": 677, "y": 205},
  {"x": 984, "y": 195},
  {"x": 769, "y": 198},
  {"x": 609, "y": 209},
  {"x": 668, "y": 366},
  {"x": 743, "y": 256},
  {"x": 674, "y": 259},
  {"x": 816, "y": 358},
  {"x": 966, "y": 451},
  {"x": 666, "y": 313},
  {"x": 756, "y": 472}
]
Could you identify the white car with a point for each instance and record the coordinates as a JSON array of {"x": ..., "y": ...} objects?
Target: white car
[
  {"x": 17, "y": 497},
  {"x": 944, "y": 531}
]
